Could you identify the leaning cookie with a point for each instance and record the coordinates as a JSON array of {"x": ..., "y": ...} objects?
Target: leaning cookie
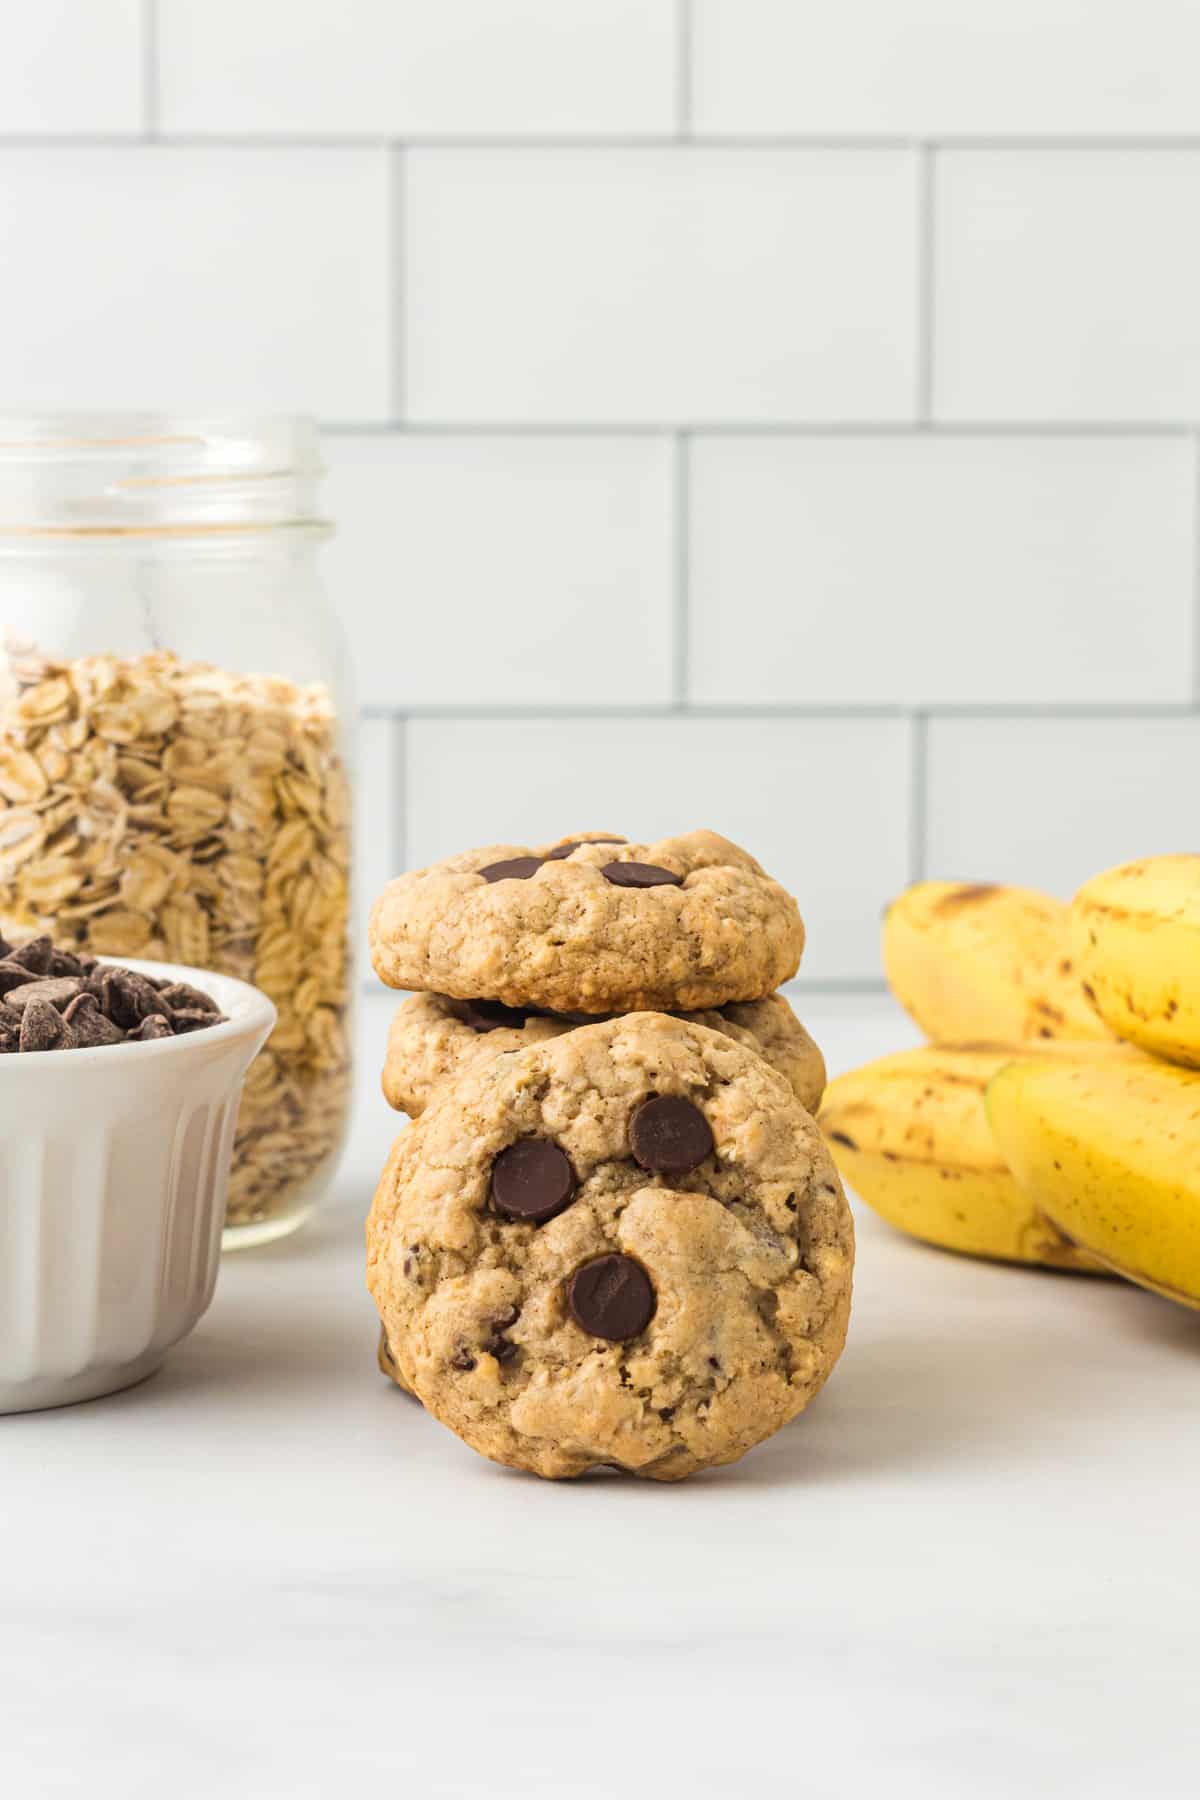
[
  {"x": 591, "y": 925},
  {"x": 434, "y": 1039},
  {"x": 626, "y": 1246}
]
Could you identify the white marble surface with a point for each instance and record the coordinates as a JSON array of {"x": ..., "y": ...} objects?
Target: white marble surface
[{"x": 970, "y": 1571}]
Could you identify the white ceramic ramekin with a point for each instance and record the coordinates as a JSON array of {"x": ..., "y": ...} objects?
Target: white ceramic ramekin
[{"x": 114, "y": 1164}]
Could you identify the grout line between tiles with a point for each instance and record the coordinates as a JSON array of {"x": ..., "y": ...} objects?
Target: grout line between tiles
[
  {"x": 683, "y": 69},
  {"x": 681, "y": 586},
  {"x": 925, "y": 286},
  {"x": 780, "y": 428},
  {"x": 918, "y": 797},
  {"x": 748, "y": 712},
  {"x": 617, "y": 141},
  {"x": 151, "y": 107}
]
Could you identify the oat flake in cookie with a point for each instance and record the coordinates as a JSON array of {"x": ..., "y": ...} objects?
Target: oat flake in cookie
[
  {"x": 660, "y": 1322},
  {"x": 686, "y": 923}
]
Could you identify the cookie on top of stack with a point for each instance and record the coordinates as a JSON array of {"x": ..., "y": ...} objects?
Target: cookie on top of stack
[{"x": 613, "y": 1234}]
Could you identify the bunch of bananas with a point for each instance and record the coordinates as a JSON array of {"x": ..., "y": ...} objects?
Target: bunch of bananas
[{"x": 1054, "y": 1118}]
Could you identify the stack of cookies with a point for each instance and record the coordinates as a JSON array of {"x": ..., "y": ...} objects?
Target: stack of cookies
[{"x": 613, "y": 1235}]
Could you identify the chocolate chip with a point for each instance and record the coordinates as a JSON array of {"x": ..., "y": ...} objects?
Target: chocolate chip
[
  {"x": 65, "y": 962},
  {"x": 611, "y": 1297},
  {"x": 153, "y": 1027},
  {"x": 640, "y": 875},
  {"x": 489, "y": 1015},
  {"x": 44, "y": 1028},
  {"x": 563, "y": 850},
  {"x": 36, "y": 956},
  {"x": 181, "y": 996},
  {"x": 532, "y": 1180},
  {"x": 55, "y": 990},
  {"x": 126, "y": 996},
  {"x": 508, "y": 1317},
  {"x": 669, "y": 1135},
  {"x": 515, "y": 868},
  {"x": 503, "y": 1349},
  {"x": 189, "y": 1018},
  {"x": 89, "y": 1024},
  {"x": 12, "y": 975},
  {"x": 10, "y": 1030},
  {"x": 462, "y": 1359}
]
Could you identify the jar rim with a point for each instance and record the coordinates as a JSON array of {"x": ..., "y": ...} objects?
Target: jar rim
[{"x": 89, "y": 475}]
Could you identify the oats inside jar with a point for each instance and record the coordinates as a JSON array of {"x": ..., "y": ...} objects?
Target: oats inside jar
[{"x": 171, "y": 810}]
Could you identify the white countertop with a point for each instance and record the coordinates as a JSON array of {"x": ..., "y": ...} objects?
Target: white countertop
[{"x": 969, "y": 1572}]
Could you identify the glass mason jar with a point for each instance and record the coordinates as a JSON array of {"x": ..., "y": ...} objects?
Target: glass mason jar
[{"x": 175, "y": 760}]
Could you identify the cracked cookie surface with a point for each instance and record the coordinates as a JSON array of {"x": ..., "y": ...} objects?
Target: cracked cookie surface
[
  {"x": 434, "y": 1040},
  {"x": 687, "y": 923},
  {"x": 747, "y": 1253}
]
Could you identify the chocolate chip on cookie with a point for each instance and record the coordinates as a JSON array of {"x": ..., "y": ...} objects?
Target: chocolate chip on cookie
[
  {"x": 489, "y": 1015},
  {"x": 513, "y": 868},
  {"x": 669, "y": 1135},
  {"x": 612, "y": 1297},
  {"x": 640, "y": 875},
  {"x": 532, "y": 1181}
]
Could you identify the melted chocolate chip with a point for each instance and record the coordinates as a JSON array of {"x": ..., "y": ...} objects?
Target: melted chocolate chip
[
  {"x": 514, "y": 868},
  {"x": 640, "y": 875},
  {"x": 611, "y": 1297},
  {"x": 532, "y": 1181},
  {"x": 560, "y": 851},
  {"x": 489, "y": 1015},
  {"x": 669, "y": 1135},
  {"x": 462, "y": 1359}
]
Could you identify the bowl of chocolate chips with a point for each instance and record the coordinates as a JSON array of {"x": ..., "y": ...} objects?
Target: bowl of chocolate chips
[{"x": 119, "y": 1089}]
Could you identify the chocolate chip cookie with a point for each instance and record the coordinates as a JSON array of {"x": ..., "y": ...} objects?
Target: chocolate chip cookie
[
  {"x": 434, "y": 1040},
  {"x": 627, "y": 1245},
  {"x": 592, "y": 925}
]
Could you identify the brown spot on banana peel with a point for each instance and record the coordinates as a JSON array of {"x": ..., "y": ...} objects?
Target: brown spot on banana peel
[{"x": 969, "y": 894}]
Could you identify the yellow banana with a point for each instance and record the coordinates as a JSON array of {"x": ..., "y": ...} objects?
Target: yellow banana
[
  {"x": 1136, "y": 940},
  {"x": 910, "y": 1135},
  {"x": 1110, "y": 1149},
  {"x": 970, "y": 961}
]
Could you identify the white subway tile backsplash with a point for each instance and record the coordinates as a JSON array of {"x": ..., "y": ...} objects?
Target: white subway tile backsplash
[
  {"x": 413, "y": 67},
  {"x": 660, "y": 285},
  {"x": 205, "y": 280},
  {"x": 925, "y": 571},
  {"x": 504, "y": 571},
  {"x": 1067, "y": 285},
  {"x": 71, "y": 66},
  {"x": 939, "y": 67},
  {"x": 823, "y": 803},
  {"x": 378, "y": 825},
  {"x": 1048, "y": 802}
]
